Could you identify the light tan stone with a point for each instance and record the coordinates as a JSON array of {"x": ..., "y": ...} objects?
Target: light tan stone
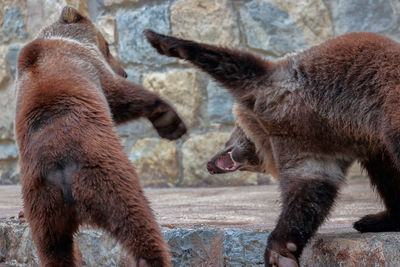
[
  {"x": 108, "y": 28},
  {"x": 197, "y": 151},
  {"x": 156, "y": 162},
  {"x": 4, "y": 73},
  {"x": 311, "y": 16},
  {"x": 210, "y": 21},
  {"x": 180, "y": 88}
]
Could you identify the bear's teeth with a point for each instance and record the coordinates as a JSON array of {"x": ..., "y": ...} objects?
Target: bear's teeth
[{"x": 234, "y": 162}]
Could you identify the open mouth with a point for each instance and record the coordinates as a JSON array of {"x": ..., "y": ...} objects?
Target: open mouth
[{"x": 224, "y": 163}]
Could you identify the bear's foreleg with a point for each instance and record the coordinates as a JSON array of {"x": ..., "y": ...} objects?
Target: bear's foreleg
[
  {"x": 129, "y": 101},
  {"x": 309, "y": 187}
]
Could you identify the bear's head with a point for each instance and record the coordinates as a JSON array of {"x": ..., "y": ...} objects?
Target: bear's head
[
  {"x": 239, "y": 154},
  {"x": 73, "y": 25}
]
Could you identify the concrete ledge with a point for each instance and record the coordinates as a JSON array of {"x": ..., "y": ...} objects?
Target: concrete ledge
[
  {"x": 220, "y": 227},
  {"x": 211, "y": 247}
]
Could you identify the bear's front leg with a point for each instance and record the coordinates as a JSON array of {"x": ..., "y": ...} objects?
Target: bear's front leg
[
  {"x": 309, "y": 187},
  {"x": 129, "y": 101}
]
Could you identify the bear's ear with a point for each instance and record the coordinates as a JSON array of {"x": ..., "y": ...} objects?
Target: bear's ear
[{"x": 70, "y": 15}]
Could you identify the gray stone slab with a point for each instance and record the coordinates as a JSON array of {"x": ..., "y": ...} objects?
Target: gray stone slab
[
  {"x": 211, "y": 247},
  {"x": 12, "y": 57},
  {"x": 377, "y": 16},
  {"x": 133, "y": 46},
  {"x": 272, "y": 29},
  {"x": 219, "y": 104},
  {"x": 14, "y": 25}
]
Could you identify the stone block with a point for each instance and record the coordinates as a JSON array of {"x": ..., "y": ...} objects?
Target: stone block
[
  {"x": 155, "y": 161},
  {"x": 181, "y": 89},
  {"x": 133, "y": 46},
  {"x": 219, "y": 104},
  {"x": 4, "y": 72},
  {"x": 244, "y": 248},
  {"x": 12, "y": 57},
  {"x": 197, "y": 151},
  {"x": 377, "y": 16},
  {"x": 355, "y": 249},
  {"x": 210, "y": 21},
  {"x": 14, "y": 25},
  {"x": 8, "y": 151},
  {"x": 7, "y": 114},
  {"x": 107, "y": 27},
  {"x": 311, "y": 16},
  {"x": 9, "y": 172},
  {"x": 99, "y": 249},
  {"x": 271, "y": 29},
  {"x": 201, "y": 247}
]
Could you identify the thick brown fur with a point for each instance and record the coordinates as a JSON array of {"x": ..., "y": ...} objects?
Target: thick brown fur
[
  {"x": 315, "y": 112},
  {"x": 70, "y": 93}
]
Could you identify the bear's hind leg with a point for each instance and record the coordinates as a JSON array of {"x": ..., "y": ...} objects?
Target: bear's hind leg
[
  {"x": 121, "y": 209},
  {"x": 53, "y": 225},
  {"x": 386, "y": 178}
]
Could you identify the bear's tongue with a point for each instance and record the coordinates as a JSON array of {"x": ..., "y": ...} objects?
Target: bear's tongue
[{"x": 225, "y": 162}]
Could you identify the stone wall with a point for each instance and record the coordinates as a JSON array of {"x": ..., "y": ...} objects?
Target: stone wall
[
  {"x": 211, "y": 247},
  {"x": 270, "y": 28}
]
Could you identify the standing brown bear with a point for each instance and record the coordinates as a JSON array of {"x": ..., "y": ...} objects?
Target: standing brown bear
[
  {"x": 70, "y": 92},
  {"x": 310, "y": 115}
]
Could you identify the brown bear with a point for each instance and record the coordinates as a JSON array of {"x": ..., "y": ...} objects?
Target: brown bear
[
  {"x": 316, "y": 112},
  {"x": 70, "y": 93}
]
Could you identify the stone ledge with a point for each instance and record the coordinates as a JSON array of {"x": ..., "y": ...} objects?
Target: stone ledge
[{"x": 212, "y": 247}]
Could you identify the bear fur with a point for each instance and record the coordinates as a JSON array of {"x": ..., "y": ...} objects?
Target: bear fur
[
  {"x": 312, "y": 113},
  {"x": 70, "y": 93}
]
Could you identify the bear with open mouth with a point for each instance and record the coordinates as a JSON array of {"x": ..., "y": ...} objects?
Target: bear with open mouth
[
  {"x": 309, "y": 116},
  {"x": 240, "y": 152}
]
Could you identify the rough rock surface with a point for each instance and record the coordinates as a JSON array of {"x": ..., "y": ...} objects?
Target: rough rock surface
[
  {"x": 4, "y": 74},
  {"x": 133, "y": 47},
  {"x": 155, "y": 161},
  {"x": 209, "y": 21},
  {"x": 272, "y": 29},
  {"x": 211, "y": 247},
  {"x": 311, "y": 16},
  {"x": 181, "y": 89},
  {"x": 13, "y": 25},
  {"x": 371, "y": 16},
  {"x": 219, "y": 105}
]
